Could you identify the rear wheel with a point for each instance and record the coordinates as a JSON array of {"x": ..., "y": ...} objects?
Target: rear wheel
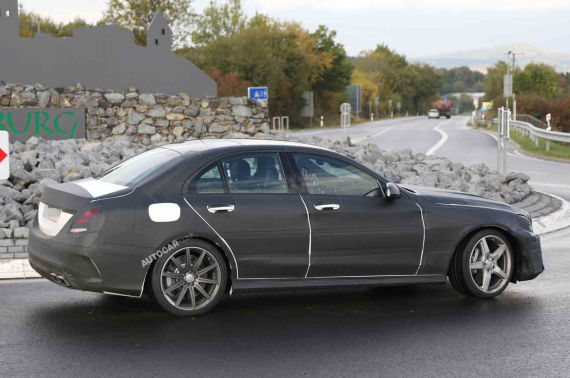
[
  {"x": 190, "y": 280},
  {"x": 483, "y": 267}
]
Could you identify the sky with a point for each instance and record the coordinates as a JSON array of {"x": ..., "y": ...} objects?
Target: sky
[{"x": 416, "y": 28}]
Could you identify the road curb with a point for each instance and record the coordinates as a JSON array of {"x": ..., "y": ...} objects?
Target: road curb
[
  {"x": 555, "y": 221},
  {"x": 16, "y": 268}
]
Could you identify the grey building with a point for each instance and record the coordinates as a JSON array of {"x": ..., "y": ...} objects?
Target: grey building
[{"x": 98, "y": 57}]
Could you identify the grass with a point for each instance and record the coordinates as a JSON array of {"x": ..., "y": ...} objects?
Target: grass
[{"x": 557, "y": 150}]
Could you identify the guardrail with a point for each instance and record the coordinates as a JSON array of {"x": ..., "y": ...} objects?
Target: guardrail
[
  {"x": 532, "y": 120},
  {"x": 537, "y": 133}
]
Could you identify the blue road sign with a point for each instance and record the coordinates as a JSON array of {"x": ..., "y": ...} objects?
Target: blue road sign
[{"x": 258, "y": 93}]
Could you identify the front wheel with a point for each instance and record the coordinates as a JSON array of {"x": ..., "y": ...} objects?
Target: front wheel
[
  {"x": 190, "y": 280},
  {"x": 484, "y": 266}
]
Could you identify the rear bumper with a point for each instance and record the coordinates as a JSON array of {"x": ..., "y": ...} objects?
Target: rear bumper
[
  {"x": 82, "y": 263},
  {"x": 529, "y": 258},
  {"x": 64, "y": 264}
]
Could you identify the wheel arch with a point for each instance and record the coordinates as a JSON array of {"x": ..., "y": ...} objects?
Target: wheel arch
[
  {"x": 182, "y": 238},
  {"x": 513, "y": 241}
]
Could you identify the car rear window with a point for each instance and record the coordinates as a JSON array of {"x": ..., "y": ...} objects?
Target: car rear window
[{"x": 134, "y": 170}]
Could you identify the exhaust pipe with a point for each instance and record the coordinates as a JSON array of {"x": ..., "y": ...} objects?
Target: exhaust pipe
[{"x": 59, "y": 279}]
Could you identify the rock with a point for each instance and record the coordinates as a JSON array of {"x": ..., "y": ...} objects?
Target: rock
[
  {"x": 156, "y": 138},
  {"x": 178, "y": 131},
  {"x": 217, "y": 128},
  {"x": 146, "y": 129},
  {"x": 517, "y": 175},
  {"x": 44, "y": 98},
  {"x": 192, "y": 110},
  {"x": 157, "y": 112},
  {"x": 12, "y": 211},
  {"x": 175, "y": 117},
  {"x": 54, "y": 98},
  {"x": 115, "y": 98},
  {"x": 241, "y": 111},
  {"x": 161, "y": 122},
  {"x": 135, "y": 117},
  {"x": 120, "y": 129},
  {"x": 147, "y": 99},
  {"x": 21, "y": 233},
  {"x": 6, "y": 233}
]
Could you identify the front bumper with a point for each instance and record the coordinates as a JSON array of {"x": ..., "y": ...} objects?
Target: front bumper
[{"x": 529, "y": 258}]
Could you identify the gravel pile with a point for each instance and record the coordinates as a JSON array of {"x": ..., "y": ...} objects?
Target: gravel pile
[{"x": 38, "y": 162}]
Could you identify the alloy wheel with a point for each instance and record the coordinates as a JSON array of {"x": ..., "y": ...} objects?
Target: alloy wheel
[
  {"x": 490, "y": 264},
  {"x": 190, "y": 278}
]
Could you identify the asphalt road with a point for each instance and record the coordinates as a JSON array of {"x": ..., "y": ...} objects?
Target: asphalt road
[
  {"x": 456, "y": 141},
  {"x": 428, "y": 331}
]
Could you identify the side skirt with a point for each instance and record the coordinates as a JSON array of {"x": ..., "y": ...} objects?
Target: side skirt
[{"x": 253, "y": 284}]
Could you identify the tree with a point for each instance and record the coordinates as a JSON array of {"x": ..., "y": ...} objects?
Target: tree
[
  {"x": 218, "y": 21},
  {"x": 415, "y": 85},
  {"x": 537, "y": 79},
  {"x": 336, "y": 77},
  {"x": 461, "y": 79},
  {"x": 136, "y": 15},
  {"x": 494, "y": 83},
  {"x": 29, "y": 23},
  {"x": 229, "y": 84}
]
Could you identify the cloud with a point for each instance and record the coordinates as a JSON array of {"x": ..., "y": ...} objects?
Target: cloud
[{"x": 346, "y": 6}]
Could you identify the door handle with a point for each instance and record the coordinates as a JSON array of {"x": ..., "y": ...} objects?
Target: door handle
[
  {"x": 328, "y": 206},
  {"x": 224, "y": 208}
]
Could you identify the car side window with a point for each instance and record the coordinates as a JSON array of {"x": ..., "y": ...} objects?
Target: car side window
[
  {"x": 209, "y": 181},
  {"x": 324, "y": 175},
  {"x": 254, "y": 173}
]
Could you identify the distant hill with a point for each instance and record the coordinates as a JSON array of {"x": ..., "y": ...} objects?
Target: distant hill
[{"x": 481, "y": 59}]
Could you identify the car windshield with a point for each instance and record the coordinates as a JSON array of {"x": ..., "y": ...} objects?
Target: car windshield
[{"x": 134, "y": 170}]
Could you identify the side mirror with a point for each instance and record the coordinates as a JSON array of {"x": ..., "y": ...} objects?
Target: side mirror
[{"x": 392, "y": 191}]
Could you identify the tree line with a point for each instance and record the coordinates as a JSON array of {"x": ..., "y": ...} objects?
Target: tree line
[
  {"x": 238, "y": 51},
  {"x": 538, "y": 88}
]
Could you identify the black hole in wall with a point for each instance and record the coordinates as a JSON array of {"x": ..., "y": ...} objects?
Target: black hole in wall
[
  {"x": 156, "y": 42},
  {"x": 163, "y": 32}
]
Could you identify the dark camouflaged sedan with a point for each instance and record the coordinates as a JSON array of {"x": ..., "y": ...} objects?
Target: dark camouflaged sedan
[{"x": 193, "y": 221}]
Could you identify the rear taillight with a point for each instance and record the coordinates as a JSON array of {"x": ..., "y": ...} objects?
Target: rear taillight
[{"x": 82, "y": 224}]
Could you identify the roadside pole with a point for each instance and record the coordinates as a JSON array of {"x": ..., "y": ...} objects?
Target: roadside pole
[
  {"x": 503, "y": 131},
  {"x": 345, "y": 109}
]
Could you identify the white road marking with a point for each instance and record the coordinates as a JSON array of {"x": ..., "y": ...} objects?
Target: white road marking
[
  {"x": 441, "y": 141},
  {"x": 550, "y": 185},
  {"x": 358, "y": 140}
]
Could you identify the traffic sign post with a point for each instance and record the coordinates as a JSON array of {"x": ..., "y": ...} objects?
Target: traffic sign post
[
  {"x": 258, "y": 93},
  {"x": 4, "y": 155}
]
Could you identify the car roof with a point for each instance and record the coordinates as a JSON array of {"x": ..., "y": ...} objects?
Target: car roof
[{"x": 202, "y": 145}]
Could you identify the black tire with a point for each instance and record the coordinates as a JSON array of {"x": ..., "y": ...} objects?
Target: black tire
[
  {"x": 465, "y": 279},
  {"x": 189, "y": 291}
]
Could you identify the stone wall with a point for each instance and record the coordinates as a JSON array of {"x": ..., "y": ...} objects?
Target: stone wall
[
  {"x": 13, "y": 248},
  {"x": 144, "y": 115}
]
